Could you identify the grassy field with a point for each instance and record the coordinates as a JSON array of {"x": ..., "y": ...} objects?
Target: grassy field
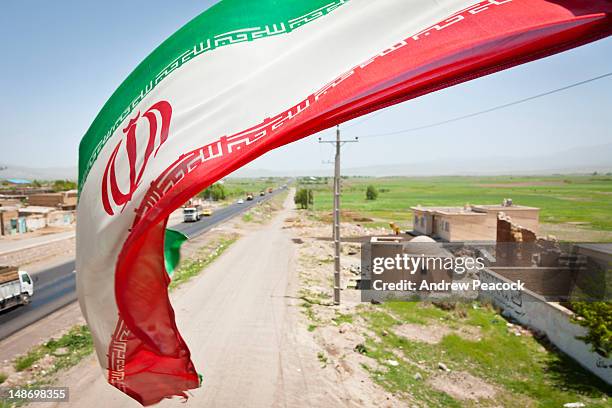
[
  {"x": 582, "y": 200},
  {"x": 487, "y": 360},
  {"x": 525, "y": 372}
]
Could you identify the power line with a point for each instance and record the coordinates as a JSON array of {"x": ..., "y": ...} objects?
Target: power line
[
  {"x": 495, "y": 108},
  {"x": 371, "y": 116}
]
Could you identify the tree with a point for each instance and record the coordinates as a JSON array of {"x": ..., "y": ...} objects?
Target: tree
[
  {"x": 303, "y": 198},
  {"x": 64, "y": 185},
  {"x": 371, "y": 193},
  {"x": 215, "y": 192}
]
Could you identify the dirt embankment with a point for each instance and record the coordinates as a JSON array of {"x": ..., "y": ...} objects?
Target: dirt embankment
[{"x": 41, "y": 255}]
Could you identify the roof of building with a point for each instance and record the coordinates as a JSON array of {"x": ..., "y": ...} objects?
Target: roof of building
[
  {"x": 471, "y": 210},
  {"x": 448, "y": 210},
  {"x": 498, "y": 207},
  {"x": 35, "y": 209},
  {"x": 18, "y": 181}
]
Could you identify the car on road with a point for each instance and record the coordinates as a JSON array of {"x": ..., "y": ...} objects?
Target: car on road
[
  {"x": 16, "y": 287},
  {"x": 262, "y": 193},
  {"x": 240, "y": 201},
  {"x": 249, "y": 196},
  {"x": 207, "y": 212}
]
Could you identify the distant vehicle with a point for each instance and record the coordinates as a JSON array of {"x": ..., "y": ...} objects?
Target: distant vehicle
[
  {"x": 240, "y": 201},
  {"x": 207, "y": 212},
  {"x": 16, "y": 287},
  {"x": 270, "y": 189},
  {"x": 249, "y": 196},
  {"x": 262, "y": 193},
  {"x": 192, "y": 214}
]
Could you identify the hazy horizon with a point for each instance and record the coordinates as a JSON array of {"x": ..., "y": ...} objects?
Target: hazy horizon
[{"x": 579, "y": 160}]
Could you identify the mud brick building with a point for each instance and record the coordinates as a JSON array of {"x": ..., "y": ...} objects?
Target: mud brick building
[{"x": 471, "y": 222}]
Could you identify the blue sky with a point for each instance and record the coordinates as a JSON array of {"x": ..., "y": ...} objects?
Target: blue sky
[{"x": 62, "y": 59}]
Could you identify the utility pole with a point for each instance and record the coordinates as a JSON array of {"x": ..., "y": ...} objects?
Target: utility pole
[{"x": 336, "y": 228}]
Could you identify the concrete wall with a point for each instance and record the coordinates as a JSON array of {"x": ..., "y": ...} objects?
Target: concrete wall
[
  {"x": 35, "y": 222},
  {"x": 441, "y": 227},
  {"x": 423, "y": 222},
  {"x": 551, "y": 319},
  {"x": 469, "y": 228},
  {"x": 60, "y": 218}
]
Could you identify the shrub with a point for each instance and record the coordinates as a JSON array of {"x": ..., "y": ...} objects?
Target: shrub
[
  {"x": 215, "y": 192},
  {"x": 597, "y": 318},
  {"x": 371, "y": 193}
]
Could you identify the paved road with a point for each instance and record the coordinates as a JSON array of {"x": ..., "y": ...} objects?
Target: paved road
[
  {"x": 193, "y": 229},
  {"x": 8, "y": 246},
  {"x": 55, "y": 287}
]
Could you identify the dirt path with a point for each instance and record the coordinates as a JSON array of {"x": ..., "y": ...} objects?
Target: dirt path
[{"x": 240, "y": 319}]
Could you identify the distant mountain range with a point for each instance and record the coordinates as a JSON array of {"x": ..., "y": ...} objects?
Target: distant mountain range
[
  {"x": 577, "y": 160},
  {"x": 8, "y": 171}
]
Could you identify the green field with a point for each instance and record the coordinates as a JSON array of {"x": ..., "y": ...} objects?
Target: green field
[{"x": 585, "y": 201}]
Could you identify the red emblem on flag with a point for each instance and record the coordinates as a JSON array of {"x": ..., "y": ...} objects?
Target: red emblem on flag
[{"x": 136, "y": 151}]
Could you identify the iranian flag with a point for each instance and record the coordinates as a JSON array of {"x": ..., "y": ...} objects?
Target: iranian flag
[{"x": 242, "y": 78}]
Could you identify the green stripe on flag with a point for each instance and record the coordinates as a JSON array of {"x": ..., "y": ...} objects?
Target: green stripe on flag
[
  {"x": 172, "y": 249},
  {"x": 226, "y": 23}
]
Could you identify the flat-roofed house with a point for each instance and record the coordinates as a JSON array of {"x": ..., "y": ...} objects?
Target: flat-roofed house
[
  {"x": 471, "y": 222},
  {"x": 65, "y": 200}
]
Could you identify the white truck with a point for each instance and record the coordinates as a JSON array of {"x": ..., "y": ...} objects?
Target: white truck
[
  {"x": 192, "y": 213},
  {"x": 16, "y": 287}
]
